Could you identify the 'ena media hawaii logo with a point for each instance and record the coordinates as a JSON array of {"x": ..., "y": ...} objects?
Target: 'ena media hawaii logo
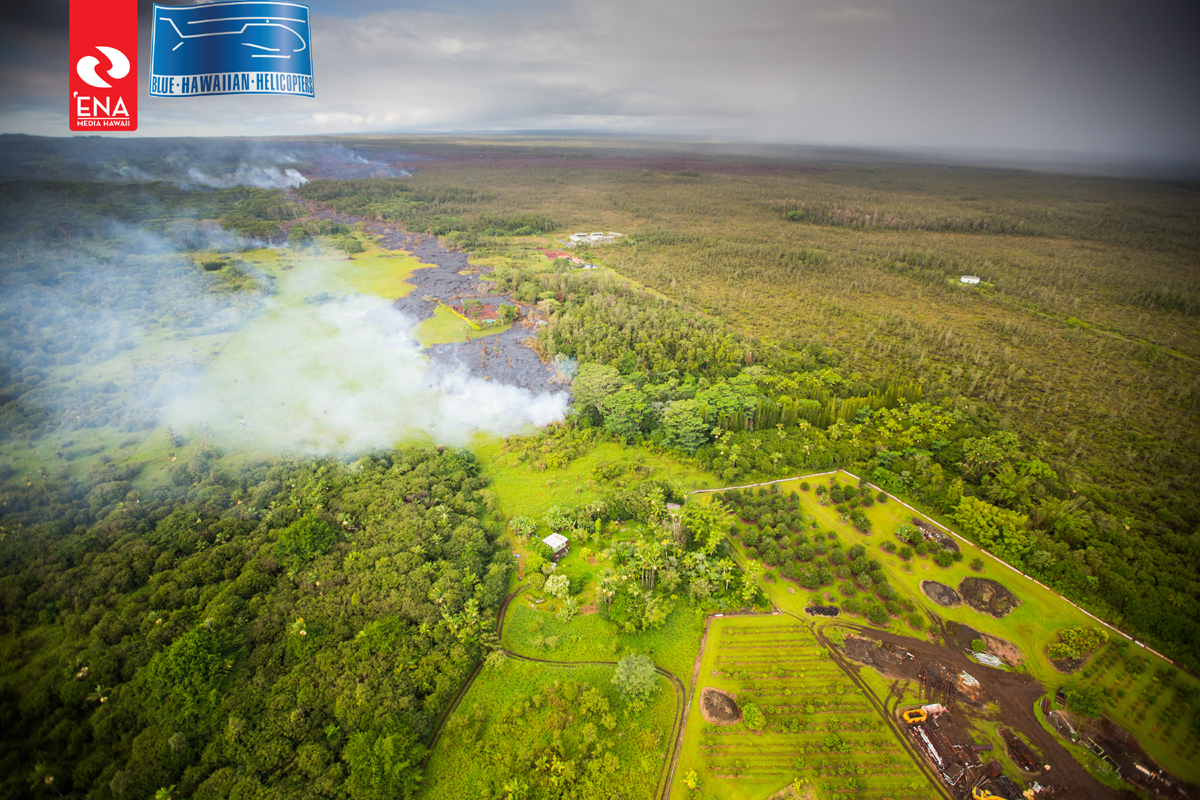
[{"x": 104, "y": 85}]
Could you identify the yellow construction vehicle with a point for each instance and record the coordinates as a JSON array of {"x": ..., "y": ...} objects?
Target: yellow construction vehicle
[
  {"x": 980, "y": 793},
  {"x": 915, "y": 715}
]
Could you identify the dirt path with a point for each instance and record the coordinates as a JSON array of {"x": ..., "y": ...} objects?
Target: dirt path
[{"x": 1016, "y": 694}]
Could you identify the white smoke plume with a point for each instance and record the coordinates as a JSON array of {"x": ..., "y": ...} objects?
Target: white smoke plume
[
  {"x": 343, "y": 377},
  {"x": 247, "y": 175}
]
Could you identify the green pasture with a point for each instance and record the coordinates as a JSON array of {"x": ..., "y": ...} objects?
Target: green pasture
[
  {"x": 819, "y": 725},
  {"x": 523, "y": 490},
  {"x": 474, "y": 758},
  {"x": 537, "y": 633}
]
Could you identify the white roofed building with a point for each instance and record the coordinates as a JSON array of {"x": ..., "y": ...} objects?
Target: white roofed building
[{"x": 559, "y": 545}]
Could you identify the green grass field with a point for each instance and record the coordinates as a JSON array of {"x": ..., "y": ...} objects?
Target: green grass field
[
  {"x": 540, "y": 634},
  {"x": 516, "y": 724},
  {"x": 818, "y": 724},
  {"x": 524, "y": 490}
]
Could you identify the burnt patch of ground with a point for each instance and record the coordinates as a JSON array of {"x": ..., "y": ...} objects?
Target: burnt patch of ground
[
  {"x": 719, "y": 708},
  {"x": 1066, "y": 665},
  {"x": 934, "y": 534},
  {"x": 987, "y": 596},
  {"x": 941, "y": 594}
]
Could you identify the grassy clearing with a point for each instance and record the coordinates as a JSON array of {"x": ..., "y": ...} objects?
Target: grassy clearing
[
  {"x": 448, "y": 327},
  {"x": 818, "y": 725},
  {"x": 539, "y": 633},
  {"x": 526, "y": 491},
  {"x": 523, "y": 722}
]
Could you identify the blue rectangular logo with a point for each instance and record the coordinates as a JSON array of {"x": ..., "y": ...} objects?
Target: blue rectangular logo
[{"x": 231, "y": 48}]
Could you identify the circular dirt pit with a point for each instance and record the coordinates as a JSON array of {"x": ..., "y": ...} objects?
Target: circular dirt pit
[
  {"x": 941, "y": 594},
  {"x": 719, "y": 708},
  {"x": 987, "y": 596}
]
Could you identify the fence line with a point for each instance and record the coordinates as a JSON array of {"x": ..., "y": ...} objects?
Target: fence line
[{"x": 956, "y": 536}]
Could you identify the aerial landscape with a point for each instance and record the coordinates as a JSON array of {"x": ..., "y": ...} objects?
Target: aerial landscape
[{"x": 487, "y": 461}]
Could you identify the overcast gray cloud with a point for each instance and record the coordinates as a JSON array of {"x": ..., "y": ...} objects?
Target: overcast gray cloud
[{"x": 1096, "y": 77}]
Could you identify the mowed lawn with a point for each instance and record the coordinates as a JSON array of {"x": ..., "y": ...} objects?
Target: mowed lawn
[{"x": 819, "y": 726}]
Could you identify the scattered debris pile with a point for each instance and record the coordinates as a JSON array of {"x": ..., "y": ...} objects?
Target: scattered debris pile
[
  {"x": 822, "y": 611},
  {"x": 1021, "y": 753}
]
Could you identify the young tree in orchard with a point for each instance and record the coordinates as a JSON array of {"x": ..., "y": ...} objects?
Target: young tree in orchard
[
  {"x": 705, "y": 520},
  {"x": 635, "y": 677}
]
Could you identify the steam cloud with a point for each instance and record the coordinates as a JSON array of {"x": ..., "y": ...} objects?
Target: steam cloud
[
  {"x": 343, "y": 377},
  {"x": 247, "y": 175}
]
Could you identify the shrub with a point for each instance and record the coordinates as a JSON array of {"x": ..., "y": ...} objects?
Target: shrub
[
  {"x": 852, "y": 605},
  {"x": 906, "y": 553},
  {"x": 978, "y": 646},
  {"x": 943, "y": 558},
  {"x": 916, "y": 622},
  {"x": 753, "y": 717},
  {"x": 804, "y": 486},
  {"x": 877, "y": 614},
  {"x": 522, "y": 527}
]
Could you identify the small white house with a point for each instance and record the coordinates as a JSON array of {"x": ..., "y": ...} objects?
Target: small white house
[
  {"x": 969, "y": 279},
  {"x": 559, "y": 545}
]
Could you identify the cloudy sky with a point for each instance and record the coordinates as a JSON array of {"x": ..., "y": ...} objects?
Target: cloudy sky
[{"x": 1085, "y": 77}]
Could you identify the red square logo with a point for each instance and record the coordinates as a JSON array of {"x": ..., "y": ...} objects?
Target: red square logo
[{"x": 104, "y": 81}]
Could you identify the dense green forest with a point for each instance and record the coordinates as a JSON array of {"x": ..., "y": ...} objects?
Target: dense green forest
[{"x": 296, "y": 627}]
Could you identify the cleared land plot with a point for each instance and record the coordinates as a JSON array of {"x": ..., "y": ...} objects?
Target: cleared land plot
[
  {"x": 541, "y": 727},
  {"x": 818, "y": 724},
  {"x": 1161, "y": 720}
]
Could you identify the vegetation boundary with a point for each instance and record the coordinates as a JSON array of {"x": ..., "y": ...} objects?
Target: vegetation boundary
[{"x": 964, "y": 540}]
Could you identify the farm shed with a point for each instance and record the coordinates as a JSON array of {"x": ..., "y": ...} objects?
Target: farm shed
[{"x": 558, "y": 544}]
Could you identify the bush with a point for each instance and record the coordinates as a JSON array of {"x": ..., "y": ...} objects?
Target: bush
[
  {"x": 916, "y": 622},
  {"x": 804, "y": 486},
  {"x": 944, "y": 558},
  {"x": 877, "y": 614},
  {"x": 753, "y": 717},
  {"x": 977, "y": 564},
  {"x": 906, "y": 553},
  {"x": 522, "y": 527},
  {"x": 977, "y": 646}
]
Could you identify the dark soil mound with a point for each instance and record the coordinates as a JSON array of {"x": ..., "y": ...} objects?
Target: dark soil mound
[
  {"x": 718, "y": 708},
  {"x": 822, "y": 611},
  {"x": 987, "y": 596},
  {"x": 941, "y": 594},
  {"x": 963, "y": 635}
]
